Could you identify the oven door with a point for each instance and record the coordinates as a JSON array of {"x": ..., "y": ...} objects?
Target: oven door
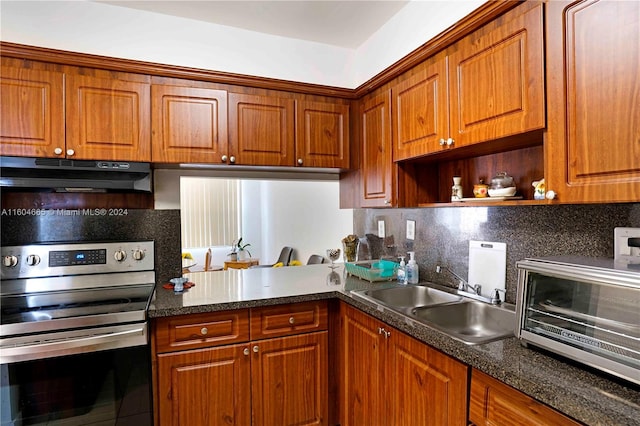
[{"x": 100, "y": 388}]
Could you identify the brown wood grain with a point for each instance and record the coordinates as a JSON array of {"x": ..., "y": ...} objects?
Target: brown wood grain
[
  {"x": 593, "y": 81},
  {"x": 496, "y": 78},
  {"x": 32, "y": 105},
  {"x": 261, "y": 130},
  {"x": 204, "y": 387},
  {"x": 189, "y": 124},
  {"x": 377, "y": 169},
  {"x": 421, "y": 111},
  {"x": 107, "y": 119},
  {"x": 201, "y": 330},
  {"x": 289, "y": 319},
  {"x": 289, "y": 380},
  {"x": 495, "y": 403},
  {"x": 322, "y": 134}
]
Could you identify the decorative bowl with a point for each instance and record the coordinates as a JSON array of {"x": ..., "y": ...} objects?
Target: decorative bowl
[{"x": 502, "y": 192}]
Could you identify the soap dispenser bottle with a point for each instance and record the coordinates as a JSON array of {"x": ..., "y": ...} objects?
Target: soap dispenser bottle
[
  {"x": 412, "y": 269},
  {"x": 402, "y": 271}
]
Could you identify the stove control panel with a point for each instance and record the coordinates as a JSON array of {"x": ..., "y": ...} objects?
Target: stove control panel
[{"x": 46, "y": 260}]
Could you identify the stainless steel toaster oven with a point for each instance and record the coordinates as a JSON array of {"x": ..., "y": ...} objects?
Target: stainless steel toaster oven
[{"x": 586, "y": 309}]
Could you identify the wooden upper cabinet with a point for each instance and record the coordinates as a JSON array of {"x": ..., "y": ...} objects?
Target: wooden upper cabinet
[
  {"x": 107, "y": 119},
  {"x": 189, "y": 124},
  {"x": 261, "y": 130},
  {"x": 31, "y": 112},
  {"x": 377, "y": 170},
  {"x": 496, "y": 78},
  {"x": 421, "y": 112},
  {"x": 593, "y": 69},
  {"x": 492, "y": 402},
  {"x": 322, "y": 138}
]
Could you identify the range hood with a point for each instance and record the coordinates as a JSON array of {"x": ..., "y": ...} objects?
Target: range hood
[{"x": 65, "y": 175}]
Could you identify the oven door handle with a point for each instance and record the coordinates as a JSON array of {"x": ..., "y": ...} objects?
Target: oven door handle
[{"x": 118, "y": 338}]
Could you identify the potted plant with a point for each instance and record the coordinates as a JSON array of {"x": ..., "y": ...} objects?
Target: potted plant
[{"x": 239, "y": 250}]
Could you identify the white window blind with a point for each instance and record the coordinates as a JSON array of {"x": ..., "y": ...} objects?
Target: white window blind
[{"x": 211, "y": 211}]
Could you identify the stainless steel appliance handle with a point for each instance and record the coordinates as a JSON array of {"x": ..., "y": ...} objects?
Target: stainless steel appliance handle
[{"x": 73, "y": 345}]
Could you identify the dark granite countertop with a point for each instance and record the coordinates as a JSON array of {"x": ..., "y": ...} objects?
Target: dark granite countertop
[{"x": 588, "y": 396}]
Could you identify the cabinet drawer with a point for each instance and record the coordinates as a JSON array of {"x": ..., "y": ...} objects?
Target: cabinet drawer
[
  {"x": 283, "y": 320},
  {"x": 201, "y": 330}
]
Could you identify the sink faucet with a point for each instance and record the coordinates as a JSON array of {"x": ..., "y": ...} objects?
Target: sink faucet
[{"x": 462, "y": 283}]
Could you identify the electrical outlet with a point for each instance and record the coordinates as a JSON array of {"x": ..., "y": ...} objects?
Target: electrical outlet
[
  {"x": 381, "y": 233},
  {"x": 411, "y": 230}
]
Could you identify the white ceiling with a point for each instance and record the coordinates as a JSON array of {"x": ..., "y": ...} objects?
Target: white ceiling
[{"x": 340, "y": 23}]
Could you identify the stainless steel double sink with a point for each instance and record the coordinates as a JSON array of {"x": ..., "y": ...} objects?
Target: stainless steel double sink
[{"x": 470, "y": 321}]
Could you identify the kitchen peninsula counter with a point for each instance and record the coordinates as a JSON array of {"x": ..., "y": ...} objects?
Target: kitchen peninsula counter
[{"x": 589, "y": 397}]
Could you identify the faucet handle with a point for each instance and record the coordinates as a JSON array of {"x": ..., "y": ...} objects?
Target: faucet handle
[{"x": 496, "y": 297}]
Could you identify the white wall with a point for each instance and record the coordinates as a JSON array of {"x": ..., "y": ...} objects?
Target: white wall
[
  {"x": 102, "y": 29},
  {"x": 304, "y": 215}
]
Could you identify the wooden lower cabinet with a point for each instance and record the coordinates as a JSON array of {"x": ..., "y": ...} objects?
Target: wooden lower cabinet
[
  {"x": 205, "y": 376},
  {"x": 205, "y": 387},
  {"x": 389, "y": 378},
  {"x": 289, "y": 382},
  {"x": 493, "y": 403}
]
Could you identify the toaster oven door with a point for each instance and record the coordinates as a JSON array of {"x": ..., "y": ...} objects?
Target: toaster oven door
[{"x": 591, "y": 319}]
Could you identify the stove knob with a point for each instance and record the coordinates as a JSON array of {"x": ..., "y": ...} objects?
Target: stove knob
[
  {"x": 120, "y": 255},
  {"x": 33, "y": 260},
  {"x": 138, "y": 254},
  {"x": 9, "y": 261}
]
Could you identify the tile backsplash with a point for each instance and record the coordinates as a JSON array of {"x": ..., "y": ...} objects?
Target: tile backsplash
[{"x": 442, "y": 234}]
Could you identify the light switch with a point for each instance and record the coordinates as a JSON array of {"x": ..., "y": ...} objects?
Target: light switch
[
  {"x": 411, "y": 230},
  {"x": 381, "y": 233}
]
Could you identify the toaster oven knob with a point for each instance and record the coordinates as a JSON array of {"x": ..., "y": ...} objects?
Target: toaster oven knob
[
  {"x": 138, "y": 254},
  {"x": 10, "y": 261},
  {"x": 33, "y": 260},
  {"x": 120, "y": 255}
]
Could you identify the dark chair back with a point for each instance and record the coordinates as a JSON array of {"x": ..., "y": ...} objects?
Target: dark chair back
[
  {"x": 285, "y": 256},
  {"x": 314, "y": 259}
]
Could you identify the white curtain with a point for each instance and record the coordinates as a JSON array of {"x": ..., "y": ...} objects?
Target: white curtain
[{"x": 211, "y": 211}]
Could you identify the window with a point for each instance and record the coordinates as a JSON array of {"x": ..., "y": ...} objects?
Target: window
[{"x": 211, "y": 211}]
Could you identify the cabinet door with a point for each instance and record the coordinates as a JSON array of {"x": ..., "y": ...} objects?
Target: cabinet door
[
  {"x": 205, "y": 387},
  {"x": 593, "y": 64},
  {"x": 496, "y": 78},
  {"x": 421, "y": 111},
  {"x": 261, "y": 130},
  {"x": 362, "y": 359},
  {"x": 189, "y": 124},
  {"x": 494, "y": 403},
  {"x": 322, "y": 138},
  {"x": 107, "y": 119},
  {"x": 377, "y": 170},
  {"x": 32, "y": 118},
  {"x": 289, "y": 380},
  {"x": 425, "y": 387}
]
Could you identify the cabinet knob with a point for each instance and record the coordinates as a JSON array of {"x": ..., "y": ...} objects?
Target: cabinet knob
[
  {"x": 246, "y": 351},
  {"x": 387, "y": 201},
  {"x": 300, "y": 161},
  {"x": 450, "y": 141},
  {"x": 292, "y": 320},
  {"x": 57, "y": 151},
  {"x": 224, "y": 158},
  {"x": 232, "y": 159},
  {"x": 256, "y": 349},
  {"x": 204, "y": 331},
  {"x": 442, "y": 142},
  {"x": 70, "y": 152}
]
